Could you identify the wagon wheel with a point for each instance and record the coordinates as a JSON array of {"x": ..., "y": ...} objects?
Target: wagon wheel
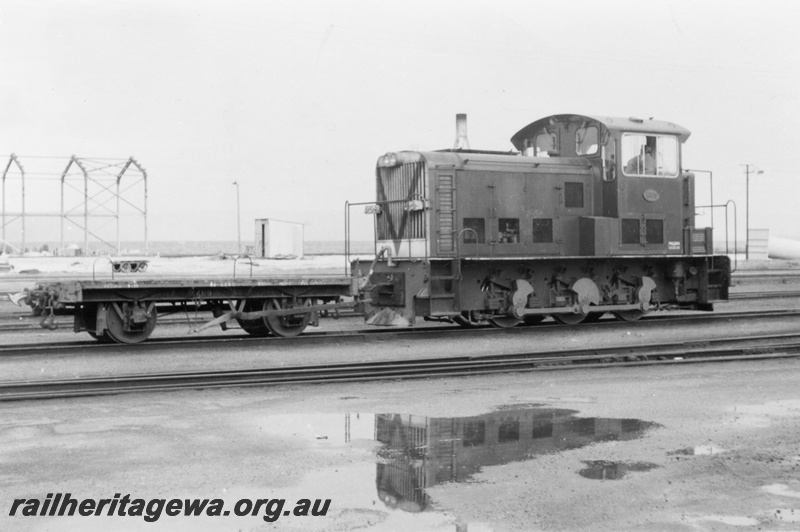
[
  {"x": 257, "y": 327},
  {"x": 254, "y": 327},
  {"x": 287, "y": 326},
  {"x": 88, "y": 315},
  {"x": 504, "y": 322},
  {"x": 533, "y": 319},
  {"x": 102, "y": 338},
  {"x": 629, "y": 315},
  {"x": 136, "y": 332},
  {"x": 569, "y": 319}
]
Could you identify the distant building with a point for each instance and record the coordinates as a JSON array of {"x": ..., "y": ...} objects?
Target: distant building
[{"x": 278, "y": 239}]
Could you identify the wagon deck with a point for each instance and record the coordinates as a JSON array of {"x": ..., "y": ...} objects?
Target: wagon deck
[
  {"x": 125, "y": 310},
  {"x": 199, "y": 288}
]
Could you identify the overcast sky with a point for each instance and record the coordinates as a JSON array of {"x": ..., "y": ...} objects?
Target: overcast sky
[{"x": 296, "y": 100}]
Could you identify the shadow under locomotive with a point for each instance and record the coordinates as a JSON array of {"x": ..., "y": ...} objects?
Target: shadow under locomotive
[{"x": 420, "y": 452}]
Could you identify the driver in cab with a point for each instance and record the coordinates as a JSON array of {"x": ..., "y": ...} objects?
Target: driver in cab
[{"x": 645, "y": 162}]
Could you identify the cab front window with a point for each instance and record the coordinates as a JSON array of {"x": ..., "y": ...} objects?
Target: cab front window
[
  {"x": 545, "y": 144},
  {"x": 650, "y": 155},
  {"x": 586, "y": 141}
]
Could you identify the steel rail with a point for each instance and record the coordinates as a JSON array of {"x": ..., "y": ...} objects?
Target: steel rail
[
  {"x": 420, "y": 332},
  {"x": 26, "y": 321},
  {"x": 766, "y": 294},
  {"x": 731, "y": 349}
]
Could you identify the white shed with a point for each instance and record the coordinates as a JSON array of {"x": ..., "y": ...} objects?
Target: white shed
[{"x": 278, "y": 239}]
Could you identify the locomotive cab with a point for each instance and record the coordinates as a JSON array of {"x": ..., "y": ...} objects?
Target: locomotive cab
[
  {"x": 588, "y": 215},
  {"x": 643, "y": 202}
]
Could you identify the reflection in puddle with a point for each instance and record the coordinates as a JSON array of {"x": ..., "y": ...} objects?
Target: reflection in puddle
[
  {"x": 420, "y": 452},
  {"x": 603, "y": 470},
  {"x": 700, "y": 450},
  {"x": 415, "y": 453}
]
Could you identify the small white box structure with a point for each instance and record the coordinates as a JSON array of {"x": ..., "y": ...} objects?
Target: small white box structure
[
  {"x": 278, "y": 239},
  {"x": 759, "y": 244}
]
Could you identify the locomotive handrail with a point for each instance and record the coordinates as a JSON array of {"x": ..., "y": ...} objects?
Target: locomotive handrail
[
  {"x": 347, "y": 206},
  {"x": 725, "y": 206},
  {"x": 458, "y": 241},
  {"x": 424, "y": 199}
]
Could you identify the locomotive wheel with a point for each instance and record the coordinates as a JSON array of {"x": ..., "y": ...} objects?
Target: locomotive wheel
[
  {"x": 629, "y": 315},
  {"x": 286, "y": 326},
  {"x": 593, "y": 317},
  {"x": 505, "y": 322},
  {"x": 533, "y": 319},
  {"x": 256, "y": 327},
  {"x": 569, "y": 319},
  {"x": 116, "y": 331}
]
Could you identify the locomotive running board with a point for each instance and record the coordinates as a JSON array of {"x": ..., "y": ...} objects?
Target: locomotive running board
[{"x": 234, "y": 314}]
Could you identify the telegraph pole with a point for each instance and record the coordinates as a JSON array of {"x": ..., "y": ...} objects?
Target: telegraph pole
[{"x": 238, "y": 221}]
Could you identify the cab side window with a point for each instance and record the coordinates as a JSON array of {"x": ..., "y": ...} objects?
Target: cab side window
[
  {"x": 650, "y": 155},
  {"x": 508, "y": 231},
  {"x": 475, "y": 231}
]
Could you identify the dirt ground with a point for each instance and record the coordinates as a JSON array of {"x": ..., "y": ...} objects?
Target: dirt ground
[
  {"x": 693, "y": 447},
  {"x": 721, "y": 443}
]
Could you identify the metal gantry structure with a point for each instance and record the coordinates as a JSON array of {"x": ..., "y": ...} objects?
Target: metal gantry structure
[{"x": 103, "y": 186}]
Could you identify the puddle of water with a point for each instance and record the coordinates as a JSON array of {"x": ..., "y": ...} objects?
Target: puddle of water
[
  {"x": 420, "y": 452},
  {"x": 604, "y": 470},
  {"x": 700, "y": 450},
  {"x": 415, "y": 453}
]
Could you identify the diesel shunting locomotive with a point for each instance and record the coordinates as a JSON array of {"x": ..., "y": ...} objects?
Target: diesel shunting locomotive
[{"x": 587, "y": 215}]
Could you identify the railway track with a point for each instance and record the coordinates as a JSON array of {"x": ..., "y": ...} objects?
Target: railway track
[
  {"x": 765, "y": 274},
  {"x": 767, "y": 294},
  {"x": 166, "y": 344},
  {"x": 729, "y": 349},
  {"x": 21, "y": 321}
]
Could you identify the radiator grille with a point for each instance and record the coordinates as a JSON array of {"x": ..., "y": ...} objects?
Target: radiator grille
[
  {"x": 395, "y": 185},
  {"x": 446, "y": 209}
]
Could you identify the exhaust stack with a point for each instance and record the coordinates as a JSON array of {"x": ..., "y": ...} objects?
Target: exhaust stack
[{"x": 462, "y": 143}]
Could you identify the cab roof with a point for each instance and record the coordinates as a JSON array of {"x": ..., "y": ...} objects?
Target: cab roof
[{"x": 613, "y": 124}]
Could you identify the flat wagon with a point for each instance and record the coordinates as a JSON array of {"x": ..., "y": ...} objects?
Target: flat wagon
[{"x": 126, "y": 310}]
